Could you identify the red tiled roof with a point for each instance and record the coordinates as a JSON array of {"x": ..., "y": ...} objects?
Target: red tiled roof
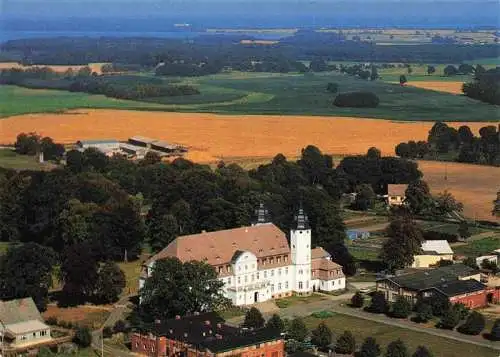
[
  {"x": 397, "y": 190},
  {"x": 318, "y": 253},
  {"x": 217, "y": 248}
]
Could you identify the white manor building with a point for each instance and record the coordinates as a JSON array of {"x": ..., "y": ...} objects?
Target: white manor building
[{"x": 257, "y": 263}]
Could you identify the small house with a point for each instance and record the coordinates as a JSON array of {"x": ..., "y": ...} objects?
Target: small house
[
  {"x": 396, "y": 194},
  {"x": 433, "y": 251},
  {"x": 23, "y": 324},
  {"x": 354, "y": 234}
]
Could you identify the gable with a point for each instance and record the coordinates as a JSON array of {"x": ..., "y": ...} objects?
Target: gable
[{"x": 21, "y": 310}]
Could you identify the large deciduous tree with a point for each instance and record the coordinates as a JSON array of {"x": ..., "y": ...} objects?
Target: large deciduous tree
[
  {"x": 297, "y": 330},
  {"x": 161, "y": 231},
  {"x": 110, "y": 283},
  {"x": 26, "y": 271},
  {"x": 418, "y": 197},
  {"x": 405, "y": 240},
  {"x": 275, "y": 323},
  {"x": 177, "y": 288},
  {"x": 254, "y": 318}
]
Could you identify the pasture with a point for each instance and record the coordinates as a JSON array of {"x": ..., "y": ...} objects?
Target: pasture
[
  {"x": 384, "y": 334},
  {"x": 269, "y": 94}
]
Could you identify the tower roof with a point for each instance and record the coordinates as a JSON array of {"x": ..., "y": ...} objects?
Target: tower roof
[
  {"x": 262, "y": 214},
  {"x": 301, "y": 220}
]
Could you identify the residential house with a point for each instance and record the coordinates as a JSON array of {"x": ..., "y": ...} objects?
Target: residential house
[
  {"x": 23, "y": 324},
  {"x": 205, "y": 335},
  {"x": 396, "y": 194},
  {"x": 458, "y": 282},
  {"x": 433, "y": 251},
  {"x": 257, "y": 263}
]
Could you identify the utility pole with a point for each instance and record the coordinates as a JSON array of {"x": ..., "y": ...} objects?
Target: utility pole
[{"x": 102, "y": 342}]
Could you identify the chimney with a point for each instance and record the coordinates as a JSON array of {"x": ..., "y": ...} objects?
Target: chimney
[{"x": 177, "y": 317}]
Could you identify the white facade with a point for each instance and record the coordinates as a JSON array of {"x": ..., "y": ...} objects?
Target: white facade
[{"x": 251, "y": 278}]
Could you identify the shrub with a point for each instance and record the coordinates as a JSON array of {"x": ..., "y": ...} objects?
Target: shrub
[
  {"x": 397, "y": 349},
  {"x": 120, "y": 326},
  {"x": 275, "y": 322},
  {"x": 107, "y": 332},
  {"x": 474, "y": 324},
  {"x": 495, "y": 331},
  {"x": 357, "y": 300},
  {"x": 422, "y": 351},
  {"x": 83, "y": 337},
  {"x": 424, "y": 312},
  {"x": 450, "y": 319},
  {"x": 401, "y": 309},
  {"x": 357, "y": 100},
  {"x": 332, "y": 87},
  {"x": 253, "y": 318},
  {"x": 297, "y": 330},
  {"x": 321, "y": 336},
  {"x": 378, "y": 304},
  {"x": 346, "y": 343},
  {"x": 369, "y": 348},
  {"x": 52, "y": 320}
]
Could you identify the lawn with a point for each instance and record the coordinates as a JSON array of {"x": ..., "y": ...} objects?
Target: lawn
[
  {"x": 479, "y": 247},
  {"x": 262, "y": 93},
  {"x": 132, "y": 271},
  {"x": 384, "y": 334},
  {"x": 11, "y": 160},
  {"x": 90, "y": 316},
  {"x": 295, "y": 299}
]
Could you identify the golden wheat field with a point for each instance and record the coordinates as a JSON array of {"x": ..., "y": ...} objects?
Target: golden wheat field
[
  {"x": 440, "y": 86},
  {"x": 473, "y": 185},
  {"x": 212, "y": 137},
  {"x": 95, "y": 67}
]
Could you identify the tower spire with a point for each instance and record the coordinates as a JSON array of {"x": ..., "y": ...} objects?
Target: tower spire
[
  {"x": 301, "y": 219},
  {"x": 262, "y": 214}
]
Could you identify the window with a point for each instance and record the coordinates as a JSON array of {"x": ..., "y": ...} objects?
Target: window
[
  {"x": 246, "y": 278},
  {"x": 272, "y": 288},
  {"x": 229, "y": 281},
  {"x": 239, "y": 280},
  {"x": 220, "y": 270},
  {"x": 43, "y": 333},
  {"x": 279, "y": 271},
  {"x": 279, "y": 286},
  {"x": 286, "y": 284},
  {"x": 300, "y": 285},
  {"x": 253, "y": 277},
  {"x": 228, "y": 268},
  {"x": 307, "y": 284},
  {"x": 285, "y": 258},
  {"x": 34, "y": 334},
  {"x": 286, "y": 270},
  {"x": 271, "y": 260},
  {"x": 300, "y": 271},
  {"x": 278, "y": 259},
  {"x": 258, "y": 275},
  {"x": 265, "y": 274},
  {"x": 264, "y": 261},
  {"x": 272, "y": 272}
]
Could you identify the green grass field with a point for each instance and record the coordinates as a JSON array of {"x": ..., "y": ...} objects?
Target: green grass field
[
  {"x": 479, "y": 247},
  {"x": 11, "y": 160},
  {"x": 384, "y": 334},
  {"x": 261, "y": 93}
]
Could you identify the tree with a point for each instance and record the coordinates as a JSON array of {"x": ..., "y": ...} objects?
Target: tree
[
  {"x": 466, "y": 68},
  {"x": 275, "y": 323},
  {"x": 84, "y": 71},
  {"x": 463, "y": 230},
  {"x": 332, "y": 87},
  {"x": 373, "y": 153},
  {"x": 495, "y": 331},
  {"x": 75, "y": 161},
  {"x": 357, "y": 300},
  {"x": 374, "y": 73},
  {"x": 253, "y": 318},
  {"x": 405, "y": 240},
  {"x": 470, "y": 262},
  {"x": 465, "y": 134},
  {"x": 450, "y": 70},
  {"x": 378, "y": 304},
  {"x": 346, "y": 343},
  {"x": 401, "y": 308},
  {"x": 424, "y": 312},
  {"x": 177, "y": 288},
  {"x": 369, "y": 348},
  {"x": 79, "y": 273},
  {"x": 110, "y": 283},
  {"x": 297, "y": 330},
  {"x": 409, "y": 69},
  {"x": 431, "y": 70},
  {"x": 403, "y": 150},
  {"x": 397, "y": 349},
  {"x": 321, "y": 336},
  {"x": 473, "y": 325},
  {"x": 450, "y": 319},
  {"x": 26, "y": 271},
  {"x": 422, "y": 351},
  {"x": 27, "y": 144},
  {"x": 445, "y": 203},
  {"x": 83, "y": 337},
  {"x": 402, "y": 80},
  {"x": 496, "y": 206},
  {"x": 161, "y": 231},
  {"x": 418, "y": 196},
  {"x": 95, "y": 160},
  {"x": 318, "y": 65},
  {"x": 365, "y": 198},
  {"x": 315, "y": 165},
  {"x": 51, "y": 150}
]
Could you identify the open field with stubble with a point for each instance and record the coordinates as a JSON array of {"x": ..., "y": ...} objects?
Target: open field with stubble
[
  {"x": 254, "y": 138},
  {"x": 95, "y": 67}
]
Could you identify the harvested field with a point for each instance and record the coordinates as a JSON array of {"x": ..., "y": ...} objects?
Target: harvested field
[
  {"x": 212, "y": 137},
  {"x": 440, "y": 86},
  {"x": 95, "y": 67},
  {"x": 258, "y": 42},
  {"x": 91, "y": 316},
  {"x": 473, "y": 185}
]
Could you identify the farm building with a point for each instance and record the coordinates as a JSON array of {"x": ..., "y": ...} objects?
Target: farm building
[
  {"x": 141, "y": 141},
  {"x": 165, "y": 147},
  {"x": 458, "y": 282},
  {"x": 433, "y": 251},
  {"x": 396, "y": 194},
  {"x": 137, "y": 152},
  {"x": 354, "y": 234},
  {"x": 106, "y": 146}
]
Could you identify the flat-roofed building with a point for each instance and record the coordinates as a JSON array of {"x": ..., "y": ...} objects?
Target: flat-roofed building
[{"x": 141, "y": 141}]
